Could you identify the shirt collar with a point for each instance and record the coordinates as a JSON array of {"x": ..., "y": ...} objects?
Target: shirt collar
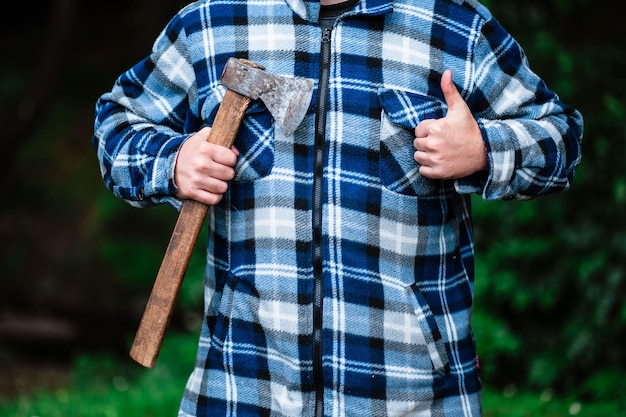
[{"x": 309, "y": 9}]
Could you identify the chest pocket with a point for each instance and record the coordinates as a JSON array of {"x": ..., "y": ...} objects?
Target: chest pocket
[
  {"x": 402, "y": 112},
  {"x": 254, "y": 141}
]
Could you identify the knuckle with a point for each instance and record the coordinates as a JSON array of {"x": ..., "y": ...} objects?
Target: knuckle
[
  {"x": 220, "y": 187},
  {"x": 214, "y": 199}
]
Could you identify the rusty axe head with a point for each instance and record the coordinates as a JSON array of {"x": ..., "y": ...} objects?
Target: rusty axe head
[{"x": 286, "y": 98}]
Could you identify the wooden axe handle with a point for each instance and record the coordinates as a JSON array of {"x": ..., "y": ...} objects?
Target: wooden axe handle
[{"x": 160, "y": 306}]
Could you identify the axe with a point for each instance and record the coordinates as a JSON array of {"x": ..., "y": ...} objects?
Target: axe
[{"x": 287, "y": 99}]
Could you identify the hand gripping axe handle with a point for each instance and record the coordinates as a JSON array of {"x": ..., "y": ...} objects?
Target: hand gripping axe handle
[{"x": 287, "y": 99}]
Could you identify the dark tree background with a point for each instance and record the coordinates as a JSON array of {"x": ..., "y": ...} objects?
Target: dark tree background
[{"x": 78, "y": 264}]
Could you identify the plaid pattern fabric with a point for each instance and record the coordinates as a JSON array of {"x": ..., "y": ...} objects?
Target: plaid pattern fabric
[{"x": 398, "y": 252}]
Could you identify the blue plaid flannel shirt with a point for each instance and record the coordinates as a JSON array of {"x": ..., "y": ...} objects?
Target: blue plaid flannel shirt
[{"x": 398, "y": 249}]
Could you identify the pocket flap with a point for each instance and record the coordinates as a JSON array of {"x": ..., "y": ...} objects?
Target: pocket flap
[
  {"x": 402, "y": 112},
  {"x": 408, "y": 109}
]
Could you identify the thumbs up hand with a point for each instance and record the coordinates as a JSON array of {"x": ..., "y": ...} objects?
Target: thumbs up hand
[{"x": 451, "y": 147}]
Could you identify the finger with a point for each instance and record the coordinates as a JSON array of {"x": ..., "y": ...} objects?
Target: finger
[
  {"x": 450, "y": 92},
  {"x": 210, "y": 192},
  {"x": 209, "y": 199},
  {"x": 422, "y": 152},
  {"x": 427, "y": 171},
  {"x": 420, "y": 157},
  {"x": 425, "y": 128},
  {"x": 209, "y": 161},
  {"x": 420, "y": 144},
  {"x": 420, "y": 131},
  {"x": 215, "y": 186},
  {"x": 222, "y": 155},
  {"x": 204, "y": 132}
]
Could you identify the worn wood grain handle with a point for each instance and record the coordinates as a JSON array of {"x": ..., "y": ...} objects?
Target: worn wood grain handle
[{"x": 160, "y": 306}]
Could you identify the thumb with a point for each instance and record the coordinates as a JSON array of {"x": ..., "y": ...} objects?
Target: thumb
[
  {"x": 204, "y": 132},
  {"x": 450, "y": 93}
]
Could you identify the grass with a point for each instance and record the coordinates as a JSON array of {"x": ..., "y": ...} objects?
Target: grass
[
  {"x": 544, "y": 404},
  {"x": 102, "y": 386}
]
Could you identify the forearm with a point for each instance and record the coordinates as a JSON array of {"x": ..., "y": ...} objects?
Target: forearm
[
  {"x": 532, "y": 139},
  {"x": 143, "y": 121},
  {"x": 531, "y": 158},
  {"x": 136, "y": 158}
]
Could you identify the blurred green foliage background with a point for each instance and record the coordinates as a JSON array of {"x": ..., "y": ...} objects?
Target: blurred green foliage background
[{"x": 78, "y": 264}]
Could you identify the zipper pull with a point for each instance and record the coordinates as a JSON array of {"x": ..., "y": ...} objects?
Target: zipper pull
[{"x": 326, "y": 35}]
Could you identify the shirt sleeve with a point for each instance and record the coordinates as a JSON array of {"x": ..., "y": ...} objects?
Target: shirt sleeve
[
  {"x": 140, "y": 123},
  {"x": 532, "y": 139}
]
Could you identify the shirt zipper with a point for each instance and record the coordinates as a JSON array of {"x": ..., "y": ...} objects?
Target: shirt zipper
[{"x": 318, "y": 171}]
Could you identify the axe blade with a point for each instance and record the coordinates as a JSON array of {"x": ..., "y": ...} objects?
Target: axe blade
[{"x": 286, "y": 98}]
